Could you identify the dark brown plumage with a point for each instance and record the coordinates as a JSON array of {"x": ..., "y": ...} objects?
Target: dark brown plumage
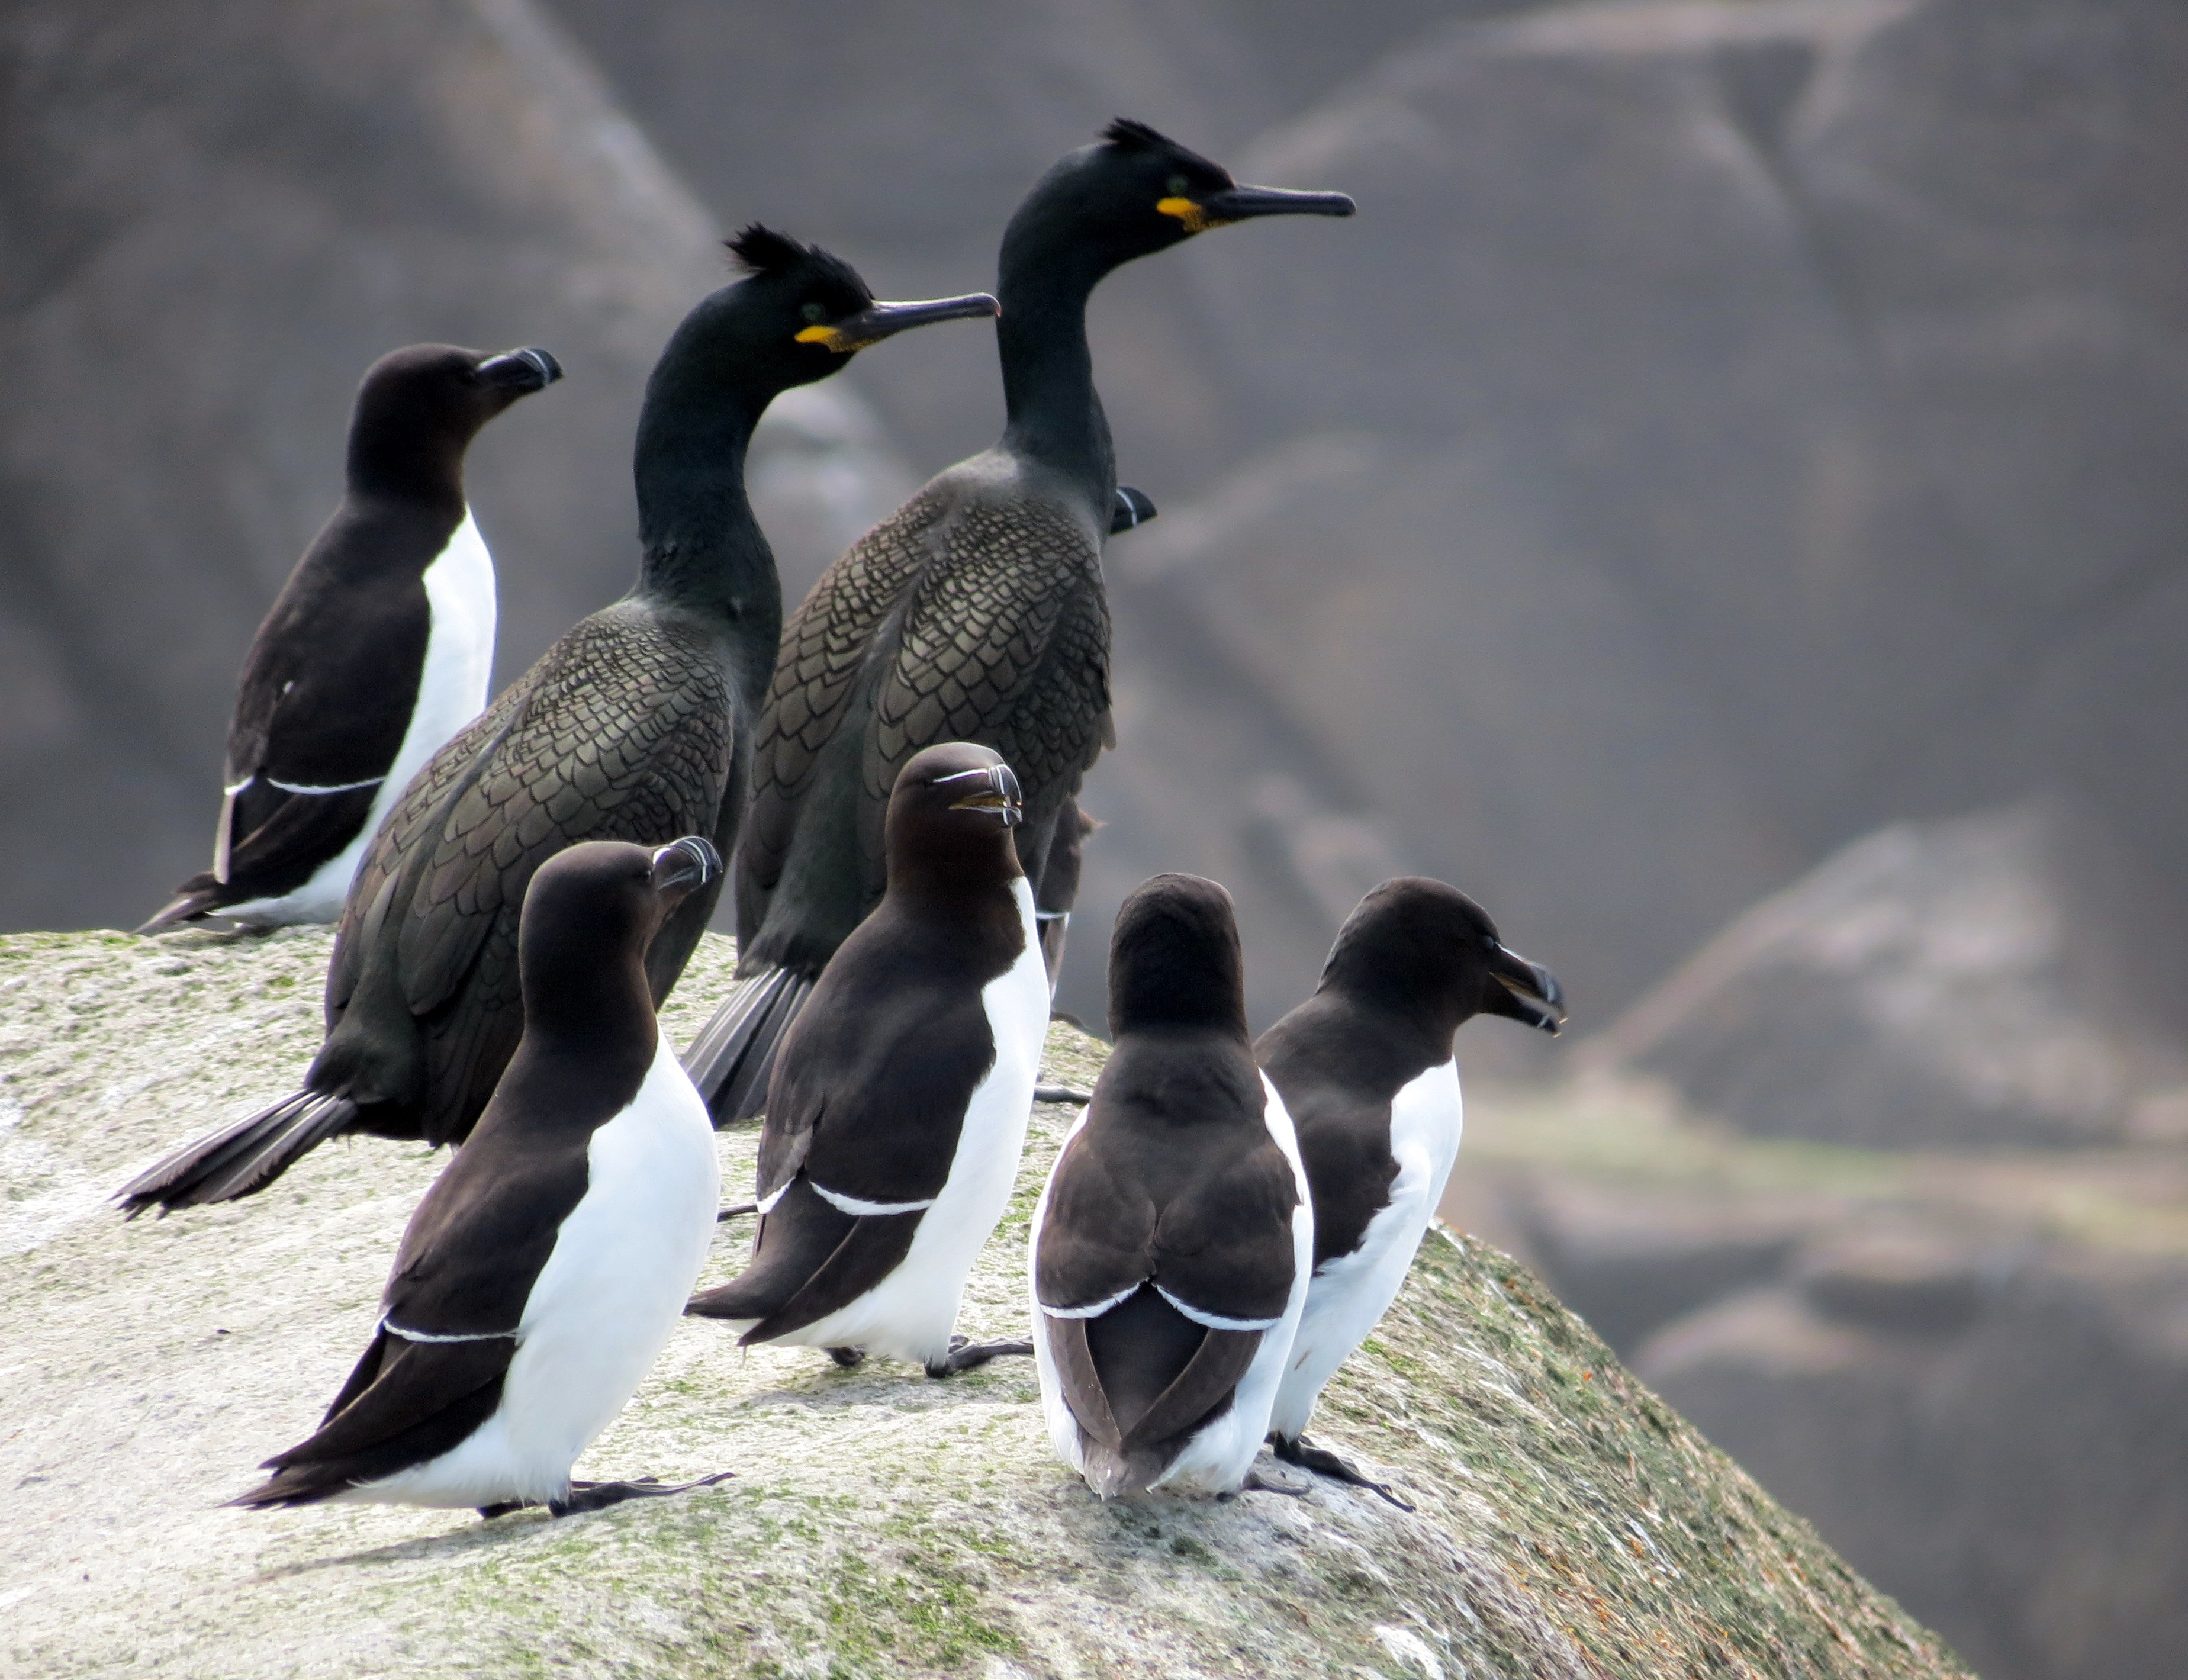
[
  {"x": 632, "y": 727},
  {"x": 976, "y": 612}
]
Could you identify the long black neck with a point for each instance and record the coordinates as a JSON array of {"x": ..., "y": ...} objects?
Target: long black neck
[
  {"x": 1054, "y": 412},
  {"x": 701, "y": 549}
]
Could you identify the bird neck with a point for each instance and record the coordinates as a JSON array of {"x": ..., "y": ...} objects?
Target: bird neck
[
  {"x": 1054, "y": 413},
  {"x": 408, "y": 465},
  {"x": 701, "y": 550}
]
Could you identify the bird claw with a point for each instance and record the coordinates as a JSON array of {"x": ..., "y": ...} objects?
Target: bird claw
[
  {"x": 1324, "y": 1463},
  {"x": 598, "y": 1496},
  {"x": 966, "y": 1355}
]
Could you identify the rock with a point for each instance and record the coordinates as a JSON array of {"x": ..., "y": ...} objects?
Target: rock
[
  {"x": 1934, "y": 984},
  {"x": 1569, "y": 1525},
  {"x": 214, "y": 218},
  {"x": 1967, "y": 1369}
]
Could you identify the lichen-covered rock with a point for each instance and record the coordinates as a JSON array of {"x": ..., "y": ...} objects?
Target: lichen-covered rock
[{"x": 878, "y": 1523}]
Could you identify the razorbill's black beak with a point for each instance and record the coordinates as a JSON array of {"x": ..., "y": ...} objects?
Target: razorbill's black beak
[
  {"x": 1525, "y": 991},
  {"x": 1241, "y": 204},
  {"x": 683, "y": 866},
  {"x": 526, "y": 370},
  {"x": 878, "y": 321},
  {"x": 996, "y": 792}
]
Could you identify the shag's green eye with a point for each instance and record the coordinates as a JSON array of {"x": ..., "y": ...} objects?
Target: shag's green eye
[
  {"x": 815, "y": 314},
  {"x": 1176, "y": 185}
]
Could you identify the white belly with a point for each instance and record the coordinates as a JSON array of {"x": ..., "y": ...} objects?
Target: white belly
[
  {"x": 908, "y": 1314},
  {"x": 451, "y": 691},
  {"x": 1349, "y": 1296},
  {"x": 602, "y": 1307}
]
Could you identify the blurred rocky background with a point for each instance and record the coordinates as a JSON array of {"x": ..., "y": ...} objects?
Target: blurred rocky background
[{"x": 1721, "y": 503}]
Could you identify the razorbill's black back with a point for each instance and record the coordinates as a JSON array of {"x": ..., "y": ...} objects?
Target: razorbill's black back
[
  {"x": 544, "y": 1270},
  {"x": 976, "y": 611},
  {"x": 635, "y": 726},
  {"x": 898, "y": 1104},
  {"x": 1365, "y": 1067},
  {"x": 1171, "y": 1247},
  {"x": 376, "y": 651}
]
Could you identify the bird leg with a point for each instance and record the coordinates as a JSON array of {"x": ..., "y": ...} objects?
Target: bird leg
[
  {"x": 970, "y": 1356},
  {"x": 1324, "y": 1463},
  {"x": 1254, "y": 1484},
  {"x": 849, "y": 1358},
  {"x": 1062, "y": 1093},
  {"x": 737, "y": 1212},
  {"x": 598, "y": 1496}
]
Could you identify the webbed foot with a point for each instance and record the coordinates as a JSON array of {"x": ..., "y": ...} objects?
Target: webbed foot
[
  {"x": 965, "y": 1354},
  {"x": 598, "y": 1496},
  {"x": 849, "y": 1358},
  {"x": 1324, "y": 1463}
]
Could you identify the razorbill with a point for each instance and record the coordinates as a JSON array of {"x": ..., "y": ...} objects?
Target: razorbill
[
  {"x": 976, "y": 611},
  {"x": 635, "y": 726},
  {"x": 376, "y": 651},
  {"x": 898, "y": 1106},
  {"x": 1366, "y": 1069},
  {"x": 1171, "y": 1247},
  {"x": 547, "y": 1266}
]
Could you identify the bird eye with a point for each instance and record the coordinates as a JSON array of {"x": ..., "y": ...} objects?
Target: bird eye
[
  {"x": 815, "y": 314},
  {"x": 1178, "y": 185}
]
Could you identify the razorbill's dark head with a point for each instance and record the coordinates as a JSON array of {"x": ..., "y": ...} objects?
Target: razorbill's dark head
[
  {"x": 1425, "y": 948},
  {"x": 591, "y": 911},
  {"x": 1135, "y": 192},
  {"x": 421, "y": 405},
  {"x": 950, "y": 816},
  {"x": 1175, "y": 960}
]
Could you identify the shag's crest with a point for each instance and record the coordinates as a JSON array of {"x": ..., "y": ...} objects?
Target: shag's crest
[
  {"x": 762, "y": 250},
  {"x": 1129, "y": 136}
]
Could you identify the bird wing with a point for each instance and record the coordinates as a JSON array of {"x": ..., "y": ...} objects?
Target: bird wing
[
  {"x": 320, "y": 712},
  {"x": 824, "y": 646},
  {"x": 622, "y": 731},
  {"x": 1157, "y": 1280},
  {"x": 469, "y": 1258},
  {"x": 1006, "y": 641}
]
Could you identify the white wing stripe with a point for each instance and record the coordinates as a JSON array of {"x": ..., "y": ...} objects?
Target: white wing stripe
[
  {"x": 395, "y": 1329},
  {"x": 1213, "y": 1321},
  {"x": 341, "y": 787},
  {"x": 1093, "y": 1311},
  {"x": 851, "y": 1204}
]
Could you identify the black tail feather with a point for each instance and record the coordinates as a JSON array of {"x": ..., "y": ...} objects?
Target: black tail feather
[
  {"x": 733, "y": 1056},
  {"x": 241, "y": 1159}
]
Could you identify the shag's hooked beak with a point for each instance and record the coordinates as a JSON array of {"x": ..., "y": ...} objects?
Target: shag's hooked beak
[
  {"x": 1241, "y": 204},
  {"x": 683, "y": 866},
  {"x": 1525, "y": 991},
  {"x": 997, "y": 793},
  {"x": 527, "y": 370},
  {"x": 878, "y": 321}
]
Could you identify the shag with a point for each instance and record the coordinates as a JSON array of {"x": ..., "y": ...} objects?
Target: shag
[
  {"x": 377, "y": 650},
  {"x": 635, "y": 726},
  {"x": 975, "y": 612}
]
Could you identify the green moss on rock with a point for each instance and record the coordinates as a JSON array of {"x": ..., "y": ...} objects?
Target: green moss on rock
[{"x": 1569, "y": 1524}]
